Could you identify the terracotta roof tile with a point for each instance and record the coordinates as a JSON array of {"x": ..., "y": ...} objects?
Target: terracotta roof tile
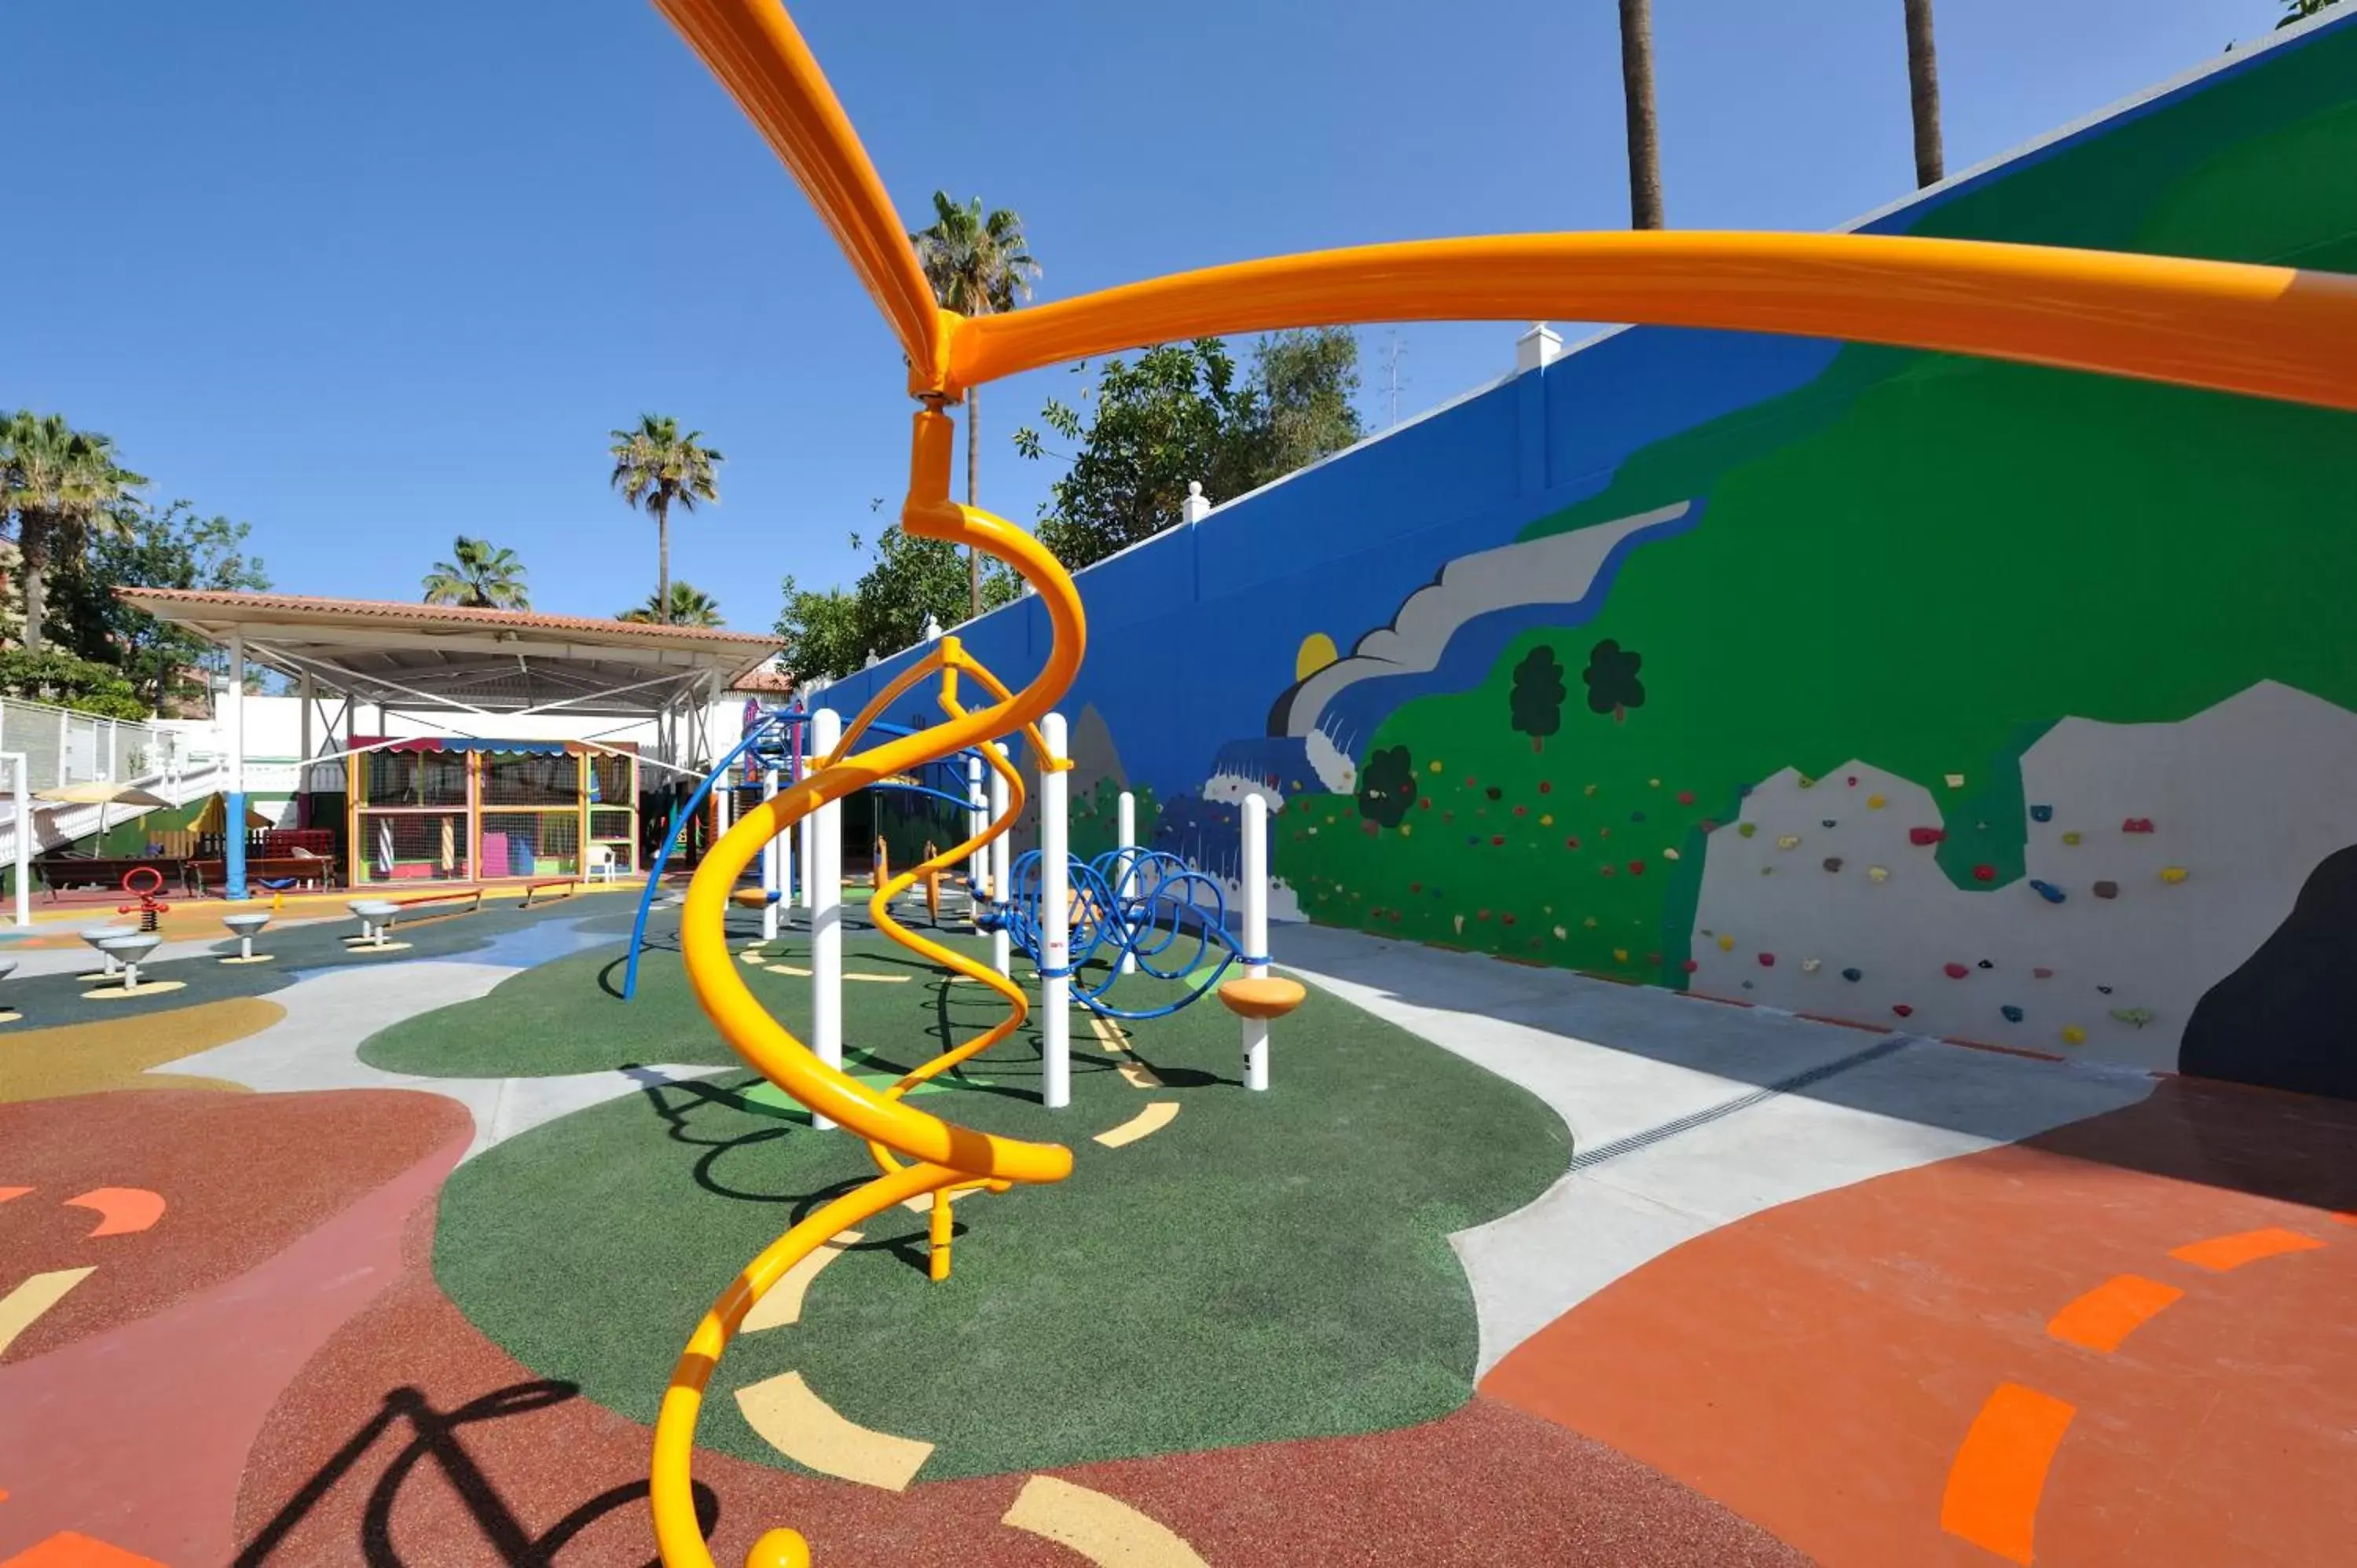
[{"x": 425, "y": 616}]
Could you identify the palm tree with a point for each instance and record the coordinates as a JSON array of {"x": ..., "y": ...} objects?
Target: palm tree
[
  {"x": 1924, "y": 94},
  {"x": 482, "y": 574},
  {"x": 656, "y": 468},
  {"x": 979, "y": 265},
  {"x": 1637, "y": 98},
  {"x": 690, "y": 606},
  {"x": 61, "y": 483}
]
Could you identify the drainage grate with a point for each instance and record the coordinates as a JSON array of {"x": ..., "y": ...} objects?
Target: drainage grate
[{"x": 1652, "y": 1135}]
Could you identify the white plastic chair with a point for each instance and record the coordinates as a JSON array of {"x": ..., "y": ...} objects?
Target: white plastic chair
[{"x": 601, "y": 859}]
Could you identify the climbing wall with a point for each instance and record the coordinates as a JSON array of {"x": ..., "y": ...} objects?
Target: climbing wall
[{"x": 1974, "y": 700}]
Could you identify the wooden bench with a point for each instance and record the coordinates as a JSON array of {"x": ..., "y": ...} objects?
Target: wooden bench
[
  {"x": 571, "y": 884},
  {"x": 471, "y": 897},
  {"x": 59, "y": 872},
  {"x": 296, "y": 868}
]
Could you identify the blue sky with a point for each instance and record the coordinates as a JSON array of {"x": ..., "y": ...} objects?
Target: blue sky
[{"x": 373, "y": 275}]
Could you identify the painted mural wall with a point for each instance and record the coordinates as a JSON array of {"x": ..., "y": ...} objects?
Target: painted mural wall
[{"x": 2001, "y": 704}]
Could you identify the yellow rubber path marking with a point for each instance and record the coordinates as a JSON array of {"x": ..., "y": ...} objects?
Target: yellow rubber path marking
[
  {"x": 1134, "y": 1073},
  {"x": 804, "y": 974},
  {"x": 1106, "y": 1531},
  {"x": 1151, "y": 1119},
  {"x": 146, "y": 988},
  {"x": 38, "y": 1292},
  {"x": 806, "y": 1429},
  {"x": 783, "y": 1304}
]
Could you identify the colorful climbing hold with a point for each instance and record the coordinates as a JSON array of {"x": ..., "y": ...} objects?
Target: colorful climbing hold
[
  {"x": 1811, "y": 965},
  {"x": 1591, "y": 788},
  {"x": 1985, "y": 963},
  {"x": 1832, "y": 863},
  {"x": 2073, "y": 1035},
  {"x": 1547, "y": 821},
  {"x": 1853, "y": 975},
  {"x": 2071, "y": 838},
  {"x": 1853, "y": 780},
  {"x": 1691, "y": 965},
  {"x": 1636, "y": 816},
  {"x": 1788, "y": 841},
  {"x": 2138, "y": 1016},
  {"x": 1922, "y": 836},
  {"x": 1767, "y": 960},
  {"x": 2012, "y": 1014},
  {"x": 2137, "y": 825},
  {"x": 1636, "y": 868},
  {"x": 1727, "y": 944},
  {"x": 1572, "y": 843},
  {"x": 1433, "y": 767},
  {"x": 1956, "y": 780},
  {"x": 2041, "y": 972},
  {"x": 2172, "y": 873},
  {"x": 1806, "y": 782},
  {"x": 1954, "y": 971},
  {"x": 1877, "y": 873},
  {"x": 1984, "y": 874},
  {"x": 1606, "y": 870},
  {"x": 1903, "y": 1010},
  {"x": 2042, "y": 813},
  {"x": 1619, "y": 955},
  {"x": 1589, "y": 922},
  {"x": 1826, "y": 822},
  {"x": 1670, "y": 854},
  {"x": 1685, "y": 797},
  {"x": 1875, "y": 802},
  {"x": 1497, "y": 841},
  {"x": 2046, "y": 890},
  {"x": 2104, "y": 989},
  {"x": 1747, "y": 829},
  {"x": 2106, "y": 890},
  {"x": 1560, "y": 933},
  {"x": 1652, "y": 783}
]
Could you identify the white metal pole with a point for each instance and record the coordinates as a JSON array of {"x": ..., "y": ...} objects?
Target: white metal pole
[
  {"x": 22, "y": 800},
  {"x": 977, "y": 817},
  {"x": 1255, "y": 932},
  {"x": 1002, "y": 858},
  {"x": 825, "y": 870},
  {"x": 1125, "y": 828},
  {"x": 1055, "y": 925},
  {"x": 773, "y": 856},
  {"x": 808, "y": 833}
]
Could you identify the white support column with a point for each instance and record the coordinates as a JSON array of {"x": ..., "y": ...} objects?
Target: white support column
[
  {"x": 1255, "y": 932},
  {"x": 305, "y": 699},
  {"x": 1126, "y": 834},
  {"x": 21, "y": 797},
  {"x": 773, "y": 862},
  {"x": 823, "y": 870},
  {"x": 1002, "y": 859},
  {"x": 1054, "y": 924},
  {"x": 977, "y": 817}
]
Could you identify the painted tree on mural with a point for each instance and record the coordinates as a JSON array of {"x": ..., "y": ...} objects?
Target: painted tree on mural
[
  {"x": 1537, "y": 699},
  {"x": 1612, "y": 676},
  {"x": 1387, "y": 787}
]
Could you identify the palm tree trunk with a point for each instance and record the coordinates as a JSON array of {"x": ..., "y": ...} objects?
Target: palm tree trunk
[
  {"x": 1644, "y": 131},
  {"x": 972, "y": 498},
  {"x": 662, "y": 561},
  {"x": 33, "y": 531},
  {"x": 1923, "y": 93}
]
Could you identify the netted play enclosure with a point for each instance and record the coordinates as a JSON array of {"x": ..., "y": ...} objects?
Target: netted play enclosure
[{"x": 466, "y": 810}]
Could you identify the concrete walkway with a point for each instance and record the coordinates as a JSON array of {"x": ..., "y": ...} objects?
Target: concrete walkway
[
  {"x": 1685, "y": 1114},
  {"x": 330, "y": 1012}
]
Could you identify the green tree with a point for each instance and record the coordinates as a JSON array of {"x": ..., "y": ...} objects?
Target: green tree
[
  {"x": 53, "y": 675},
  {"x": 1637, "y": 101},
  {"x": 480, "y": 576},
  {"x": 690, "y": 606},
  {"x": 1387, "y": 787},
  {"x": 1181, "y": 412},
  {"x": 1536, "y": 697},
  {"x": 908, "y": 582},
  {"x": 657, "y": 469},
  {"x": 1924, "y": 94},
  {"x": 2301, "y": 10},
  {"x": 979, "y": 264},
  {"x": 62, "y": 485},
  {"x": 167, "y": 547}
]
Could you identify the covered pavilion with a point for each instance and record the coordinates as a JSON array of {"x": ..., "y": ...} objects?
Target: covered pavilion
[{"x": 475, "y": 801}]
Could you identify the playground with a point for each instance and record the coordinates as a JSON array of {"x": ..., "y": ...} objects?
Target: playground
[{"x": 863, "y": 1170}]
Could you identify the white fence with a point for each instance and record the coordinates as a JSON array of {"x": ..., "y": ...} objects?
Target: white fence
[{"x": 61, "y": 746}]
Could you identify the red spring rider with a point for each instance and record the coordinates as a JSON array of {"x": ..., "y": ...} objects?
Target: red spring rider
[{"x": 149, "y": 905}]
